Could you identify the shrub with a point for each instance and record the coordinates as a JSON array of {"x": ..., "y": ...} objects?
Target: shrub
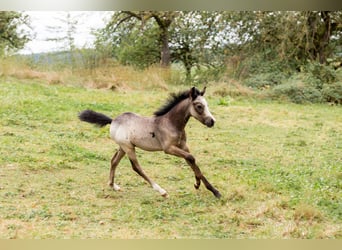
[
  {"x": 297, "y": 92},
  {"x": 312, "y": 94},
  {"x": 265, "y": 80},
  {"x": 333, "y": 92},
  {"x": 319, "y": 74}
]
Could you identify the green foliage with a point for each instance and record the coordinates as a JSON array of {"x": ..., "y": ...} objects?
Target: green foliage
[
  {"x": 137, "y": 38},
  {"x": 276, "y": 45},
  {"x": 271, "y": 45},
  {"x": 263, "y": 71},
  {"x": 333, "y": 92},
  {"x": 12, "y": 34},
  {"x": 197, "y": 41},
  {"x": 139, "y": 50},
  {"x": 118, "y": 35},
  {"x": 297, "y": 92},
  {"x": 319, "y": 74},
  {"x": 317, "y": 83},
  {"x": 293, "y": 36},
  {"x": 264, "y": 80}
]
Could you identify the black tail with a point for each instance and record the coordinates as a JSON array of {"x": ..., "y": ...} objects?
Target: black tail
[{"x": 90, "y": 116}]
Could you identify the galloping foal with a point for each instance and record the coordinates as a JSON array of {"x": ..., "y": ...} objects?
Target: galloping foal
[{"x": 162, "y": 132}]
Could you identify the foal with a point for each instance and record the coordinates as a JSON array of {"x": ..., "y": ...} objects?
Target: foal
[{"x": 162, "y": 132}]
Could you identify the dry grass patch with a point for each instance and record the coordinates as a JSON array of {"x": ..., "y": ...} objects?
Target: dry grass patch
[{"x": 305, "y": 212}]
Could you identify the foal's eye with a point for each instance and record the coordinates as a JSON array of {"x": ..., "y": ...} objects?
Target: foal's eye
[{"x": 199, "y": 108}]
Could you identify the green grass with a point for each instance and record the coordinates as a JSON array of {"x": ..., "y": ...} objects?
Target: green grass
[{"x": 277, "y": 165}]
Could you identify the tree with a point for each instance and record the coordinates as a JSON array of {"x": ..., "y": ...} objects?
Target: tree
[
  {"x": 12, "y": 33},
  {"x": 321, "y": 26},
  {"x": 163, "y": 20},
  {"x": 64, "y": 32},
  {"x": 290, "y": 36},
  {"x": 191, "y": 37},
  {"x": 64, "y": 35},
  {"x": 265, "y": 41},
  {"x": 197, "y": 39}
]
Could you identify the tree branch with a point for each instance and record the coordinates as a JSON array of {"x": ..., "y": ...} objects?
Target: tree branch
[
  {"x": 132, "y": 14},
  {"x": 8, "y": 40}
]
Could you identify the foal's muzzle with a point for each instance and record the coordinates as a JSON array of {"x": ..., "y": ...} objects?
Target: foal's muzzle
[{"x": 209, "y": 122}]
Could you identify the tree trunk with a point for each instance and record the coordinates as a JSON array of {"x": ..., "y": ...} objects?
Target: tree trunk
[
  {"x": 324, "y": 37},
  {"x": 188, "y": 68},
  {"x": 310, "y": 38},
  {"x": 164, "y": 21},
  {"x": 165, "y": 57},
  {"x": 319, "y": 24}
]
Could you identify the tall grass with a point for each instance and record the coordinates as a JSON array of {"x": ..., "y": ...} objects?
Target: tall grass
[{"x": 107, "y": 75}]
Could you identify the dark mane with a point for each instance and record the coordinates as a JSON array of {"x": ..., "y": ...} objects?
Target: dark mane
[{"x": 173, "y": 100}]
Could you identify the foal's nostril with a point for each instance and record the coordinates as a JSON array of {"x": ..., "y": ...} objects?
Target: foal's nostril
[{"x": 210, "y": 123}]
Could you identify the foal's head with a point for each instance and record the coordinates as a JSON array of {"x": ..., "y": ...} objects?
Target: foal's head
[{"x": 199, "y": 107}]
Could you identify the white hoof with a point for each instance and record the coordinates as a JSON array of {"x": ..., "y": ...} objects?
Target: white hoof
[
  {"x": 165, "y": 195},
  {"x": 160, "y": 190},
  {"x": 116, "y": 187}
]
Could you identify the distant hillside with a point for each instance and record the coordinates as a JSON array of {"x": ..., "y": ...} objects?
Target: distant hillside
[{"x": 60, "y": 58}]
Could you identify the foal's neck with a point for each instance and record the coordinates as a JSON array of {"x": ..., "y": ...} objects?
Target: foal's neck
[{"x": 179, "y": 115}]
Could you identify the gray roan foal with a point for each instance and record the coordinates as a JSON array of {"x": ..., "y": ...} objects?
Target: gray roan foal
[{"x": 162, "y": 132}]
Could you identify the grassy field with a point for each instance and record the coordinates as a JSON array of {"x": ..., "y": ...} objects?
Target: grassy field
[{"x": 278, "y": 167}]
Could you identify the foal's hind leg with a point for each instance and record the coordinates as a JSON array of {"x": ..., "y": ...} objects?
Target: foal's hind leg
[
  {"x": 114, "y": 163},
  {"x": 137, "y": 168}
]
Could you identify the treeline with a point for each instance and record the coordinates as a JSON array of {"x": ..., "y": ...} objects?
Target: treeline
[
  {"x": 293, "y": 54},
  {"x": 262, "y": 49}
]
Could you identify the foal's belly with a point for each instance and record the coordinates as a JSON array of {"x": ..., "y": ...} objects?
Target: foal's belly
[
  {"x": 146, "y": 141},
  {"x": 130, "y": 129}
]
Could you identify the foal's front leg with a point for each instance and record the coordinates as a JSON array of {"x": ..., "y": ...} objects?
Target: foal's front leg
[
  {"x": 173, "y": 150},
  {"x": 196, "y": 169}
]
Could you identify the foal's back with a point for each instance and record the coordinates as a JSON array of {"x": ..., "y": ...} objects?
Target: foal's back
[{"x": 132, "y": 130}]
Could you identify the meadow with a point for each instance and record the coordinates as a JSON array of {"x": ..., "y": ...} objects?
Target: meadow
[{"x": 277, "y": 165}]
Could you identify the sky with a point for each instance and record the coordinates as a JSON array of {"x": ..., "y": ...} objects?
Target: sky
[{"x": 44, "y": 23}]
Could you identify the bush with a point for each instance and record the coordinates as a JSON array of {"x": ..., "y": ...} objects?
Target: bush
[
  {"x": 317, "y": 83},
  {"x": 265, "y": 80},
  {"x": 319, "y": 74},
  {"x": 333, "y": 92},
  {"x": 312, "y": 95},
  {"x": 297, "y": 92},
  {"x": 261, "y": 72}
]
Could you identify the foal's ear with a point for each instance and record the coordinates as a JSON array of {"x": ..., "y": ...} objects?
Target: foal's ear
[
  {"x": 194, "y": 93},
  {"x": 203, "y": 91}
]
